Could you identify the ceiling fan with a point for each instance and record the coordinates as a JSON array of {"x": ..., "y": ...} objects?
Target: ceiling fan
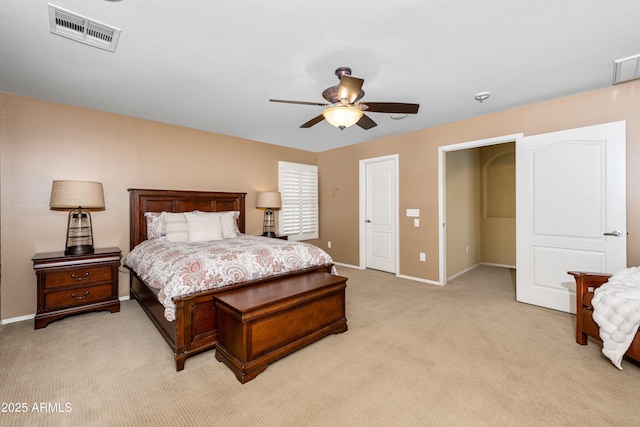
[{"x": 343, "y": 109}]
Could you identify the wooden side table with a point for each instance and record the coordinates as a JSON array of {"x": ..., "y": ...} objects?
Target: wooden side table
[
  {"x": 279, "y": 236},
  {"x": 72, "y": 284}
]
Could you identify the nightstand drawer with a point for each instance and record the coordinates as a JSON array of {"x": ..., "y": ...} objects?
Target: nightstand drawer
[
  {"x": 81, "y": 295},
  {"x": 77, "y": 276}
]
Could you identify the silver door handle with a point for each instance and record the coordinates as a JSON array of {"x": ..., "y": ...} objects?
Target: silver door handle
[{"x": 616, "y": 233}]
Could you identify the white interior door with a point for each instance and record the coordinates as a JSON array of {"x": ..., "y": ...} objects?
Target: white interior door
[
  {"x": 380, "y": 214},
  {"x": 570, "y": 210}
]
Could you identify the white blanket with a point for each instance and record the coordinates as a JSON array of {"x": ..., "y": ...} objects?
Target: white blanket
[{"x": 616, "y": 309}]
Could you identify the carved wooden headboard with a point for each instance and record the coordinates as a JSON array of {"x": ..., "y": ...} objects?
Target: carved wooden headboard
[{"x": 141, "y": 201}]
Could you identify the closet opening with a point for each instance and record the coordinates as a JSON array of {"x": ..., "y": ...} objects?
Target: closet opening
[{"x": 478, "y": 208}]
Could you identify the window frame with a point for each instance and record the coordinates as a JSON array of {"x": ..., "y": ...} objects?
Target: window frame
[{"x": 298, "y": 216}]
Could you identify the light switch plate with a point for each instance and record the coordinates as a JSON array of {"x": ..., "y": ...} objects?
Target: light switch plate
[{"x": 413, "y": 212}]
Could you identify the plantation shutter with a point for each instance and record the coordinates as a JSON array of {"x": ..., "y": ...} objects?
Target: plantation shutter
[{"x": 299, "y": 190}]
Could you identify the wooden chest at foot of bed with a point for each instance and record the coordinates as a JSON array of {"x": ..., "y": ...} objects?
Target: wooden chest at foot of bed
[{"x": 260, "y": 324}]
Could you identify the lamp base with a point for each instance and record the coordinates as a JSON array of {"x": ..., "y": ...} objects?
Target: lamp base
[
  {"x": 269, "y": 234},
  {"x": 79, "y": 250}
]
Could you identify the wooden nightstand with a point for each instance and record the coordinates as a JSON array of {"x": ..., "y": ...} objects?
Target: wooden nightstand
[
  {"x": 279, "y": 236},
  {"x": 72, "y": 284}
]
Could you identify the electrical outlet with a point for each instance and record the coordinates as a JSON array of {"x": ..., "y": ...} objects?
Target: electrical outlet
[
  {"x": 329, "y": 244},
  {"x": 423, "y": 256},
  {"x": 416, "y": 222}
]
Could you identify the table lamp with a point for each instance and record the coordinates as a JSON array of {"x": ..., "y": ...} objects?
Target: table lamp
[
  {"x": 79, "y": 197},
  {"x": 268, "y": 200}
]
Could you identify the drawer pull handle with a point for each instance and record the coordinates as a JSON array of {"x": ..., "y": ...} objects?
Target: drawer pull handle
[
  {"x": 74, "y": 296},
  {"x": 74, "y": 277}
]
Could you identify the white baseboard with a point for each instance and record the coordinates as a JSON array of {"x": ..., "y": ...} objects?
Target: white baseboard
[
  {"x": 31, "y": 316},
  {"x": 498, "y": 265},
  {"x": 355, "y": 267},
  {"x": 460, "y": 273},
  {"x": 418, "y": 279},
  {"x": 415, "y": 279},
  {"x": 17, "y": 319}
]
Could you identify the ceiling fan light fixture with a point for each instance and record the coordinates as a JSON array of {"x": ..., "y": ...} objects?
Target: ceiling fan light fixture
[{"x": 342, "y": 116}]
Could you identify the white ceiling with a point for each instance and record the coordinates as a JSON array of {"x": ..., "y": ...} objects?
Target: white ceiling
[{"x": 214, "y": 65}]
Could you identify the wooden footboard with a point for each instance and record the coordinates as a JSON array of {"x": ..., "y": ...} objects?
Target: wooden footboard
[
  {"x": 194, "y": 329},
  {"x": 586, "y": 284}
]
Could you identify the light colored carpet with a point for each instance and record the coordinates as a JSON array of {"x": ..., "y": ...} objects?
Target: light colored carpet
[{"x": 415, "y": 354}]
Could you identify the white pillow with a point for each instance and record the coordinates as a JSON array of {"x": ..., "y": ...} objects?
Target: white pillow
[
  {"x": 176, "y": 228},
  {"x": 230, "y": 224},
  {"x": 229, "y": 220},
  {"x": 204, "y": 226}
]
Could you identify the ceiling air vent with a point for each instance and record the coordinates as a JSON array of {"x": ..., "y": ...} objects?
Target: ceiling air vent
[
  {"x": 626, "y": 69},
  {"x": 81, "y": 29}
]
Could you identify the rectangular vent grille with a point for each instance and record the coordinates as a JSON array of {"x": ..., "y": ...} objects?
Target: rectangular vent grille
[
  {"x": 626, "y": 69},
  {"x": 81, "y": 29}
]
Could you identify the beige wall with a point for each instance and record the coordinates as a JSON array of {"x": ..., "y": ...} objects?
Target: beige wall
[
  {"x": 42, "y": 141},
  {"x": 463, "y": 209},
  {"x": 418, "y": 174},
  {"x": 498, "y": 164}
]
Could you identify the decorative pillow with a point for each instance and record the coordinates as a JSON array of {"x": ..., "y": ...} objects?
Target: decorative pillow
[
  {"x": 176, "y": 227},
  {"x": 155, "y": 225},
  {"x": 204, "y": 226},
  {"x": 229, "y": 221}
]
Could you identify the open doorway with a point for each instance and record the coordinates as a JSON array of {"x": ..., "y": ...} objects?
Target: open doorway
[
  {"x": 477, "y": 206},
  {"x": 556, "y": 233}
]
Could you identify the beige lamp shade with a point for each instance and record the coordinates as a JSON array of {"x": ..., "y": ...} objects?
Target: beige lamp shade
[
  {"x": 74, "y": 194},
  {"x": 342, "y": 116},
  {"x": 269, "y": 199}
]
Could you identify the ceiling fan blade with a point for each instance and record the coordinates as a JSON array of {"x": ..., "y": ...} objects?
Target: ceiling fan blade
[
  {"x": 392, "y": 107},
  {"x": 349, "y": 88},
  {"x": 365, "y": 122},
  {"x": 313, "y": 121},
  {"x": 298, "y": 102}
]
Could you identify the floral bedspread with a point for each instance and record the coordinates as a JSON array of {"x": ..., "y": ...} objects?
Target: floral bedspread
[{"x": 178, "y": 269}]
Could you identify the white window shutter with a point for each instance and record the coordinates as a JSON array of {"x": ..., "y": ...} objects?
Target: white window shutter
[{"x": 299, "y": 190}]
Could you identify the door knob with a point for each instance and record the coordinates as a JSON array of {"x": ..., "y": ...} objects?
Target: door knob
[
  {"x": 368, "y": 220},
  {"x": 616, "y": 233}
]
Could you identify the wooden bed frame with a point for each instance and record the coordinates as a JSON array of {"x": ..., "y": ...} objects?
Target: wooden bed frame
[
  {"x": 586, "y": 284},
  {"x": 194, "y": 329}
]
